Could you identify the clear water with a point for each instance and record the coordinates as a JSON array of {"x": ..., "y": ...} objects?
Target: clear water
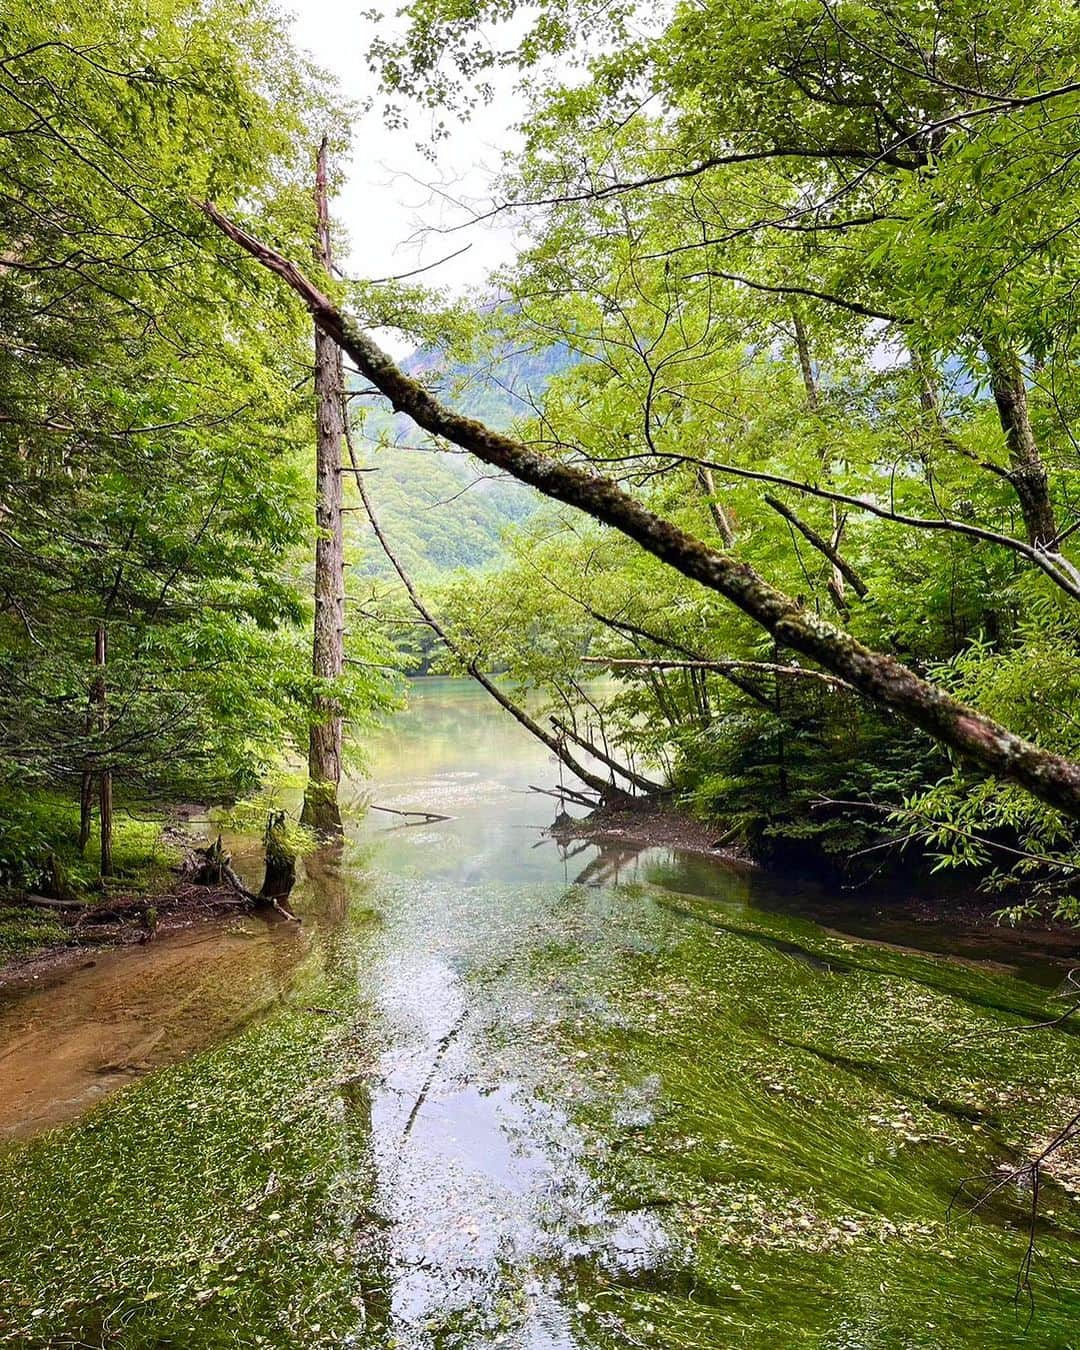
[{"x": 495, "y": 1092}]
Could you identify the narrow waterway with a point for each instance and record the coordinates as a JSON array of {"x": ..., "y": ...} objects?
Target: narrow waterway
[{"x": 498, "y": 1092}]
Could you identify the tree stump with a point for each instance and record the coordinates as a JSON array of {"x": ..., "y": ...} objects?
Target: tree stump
[{"x": 280, "y": 875}]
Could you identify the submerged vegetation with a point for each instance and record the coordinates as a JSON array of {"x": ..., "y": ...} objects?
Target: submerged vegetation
[
  {"x": 563, "y": 1115},
  {"x": 747, "y": 489}
]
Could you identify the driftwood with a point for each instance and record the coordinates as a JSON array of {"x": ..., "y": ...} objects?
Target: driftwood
[
  {"x": 212, "y": 866},
  {"x": 420, "y": 815}
]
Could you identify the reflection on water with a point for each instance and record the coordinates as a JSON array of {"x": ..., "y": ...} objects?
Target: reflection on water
[{"x": 502, "y": 1091}]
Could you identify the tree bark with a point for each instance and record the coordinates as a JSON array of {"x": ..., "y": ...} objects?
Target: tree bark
[
  {"x": 877, "y": 675},
  {"x": 1027, "y": 473},
  {"x": 321, "y": 809},
  {"x": 813, "y": 402},
  {"x": 86, "y": 808},
  {"x": 101, "y": 656}
]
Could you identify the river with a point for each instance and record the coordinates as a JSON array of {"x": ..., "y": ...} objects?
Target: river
[{"x": 499, "y": 1092}]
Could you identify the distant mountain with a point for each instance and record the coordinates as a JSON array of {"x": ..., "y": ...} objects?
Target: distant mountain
[{"x": 443, "y": 511}]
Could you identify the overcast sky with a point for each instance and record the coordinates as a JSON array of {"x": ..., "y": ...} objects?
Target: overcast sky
[{"x": 386, "y": 199}]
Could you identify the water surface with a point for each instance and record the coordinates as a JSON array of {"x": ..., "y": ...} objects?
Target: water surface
[{"x": 500, "y": 1092}]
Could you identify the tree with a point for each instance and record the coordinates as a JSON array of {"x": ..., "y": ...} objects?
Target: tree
[
  {"x": 328, "y": 645},
  {"x": 901, "y": 175},
  {"x": 152, "y": 441},
  {"x": 877, "y": 675}
]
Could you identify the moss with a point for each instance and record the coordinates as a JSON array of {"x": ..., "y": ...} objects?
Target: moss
[{"x": 24, "y": 930}]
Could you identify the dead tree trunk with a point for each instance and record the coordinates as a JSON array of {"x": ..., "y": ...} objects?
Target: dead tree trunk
[
  {"x": 813, "y": 402},
  {"x": 101, "y": 655},
  {"x": 321, "y": 810},
  {"x": 86, "y": 808},
  {"x": 877, "y": 675},
  {"x": 86, "y": 782},
  {"x": 1027, "y": 473}
]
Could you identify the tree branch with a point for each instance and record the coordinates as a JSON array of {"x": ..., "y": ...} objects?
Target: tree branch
[{"x": 882, "y": 678}]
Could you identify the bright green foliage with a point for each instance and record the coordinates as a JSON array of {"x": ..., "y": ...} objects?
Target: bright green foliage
[
  {"x": 155, "y": 442},
  {"x": 801, "y": 249}
]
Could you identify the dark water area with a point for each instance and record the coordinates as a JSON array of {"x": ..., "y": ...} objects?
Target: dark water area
[{"x": 496, "y": 1091}]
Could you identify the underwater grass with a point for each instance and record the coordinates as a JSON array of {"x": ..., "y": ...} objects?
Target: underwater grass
[
  {"x": 792, "y": 1111},
  {"x": 802, "y": 1127}
]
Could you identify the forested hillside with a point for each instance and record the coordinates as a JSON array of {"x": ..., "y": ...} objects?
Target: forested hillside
[{"x": 439, "y": 509}]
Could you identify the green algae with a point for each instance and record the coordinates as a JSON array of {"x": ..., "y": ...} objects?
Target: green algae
[{"x": 806, "y": 1132}]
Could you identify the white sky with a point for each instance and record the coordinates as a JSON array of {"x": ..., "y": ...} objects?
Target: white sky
[{"x": 385, "y": 201}]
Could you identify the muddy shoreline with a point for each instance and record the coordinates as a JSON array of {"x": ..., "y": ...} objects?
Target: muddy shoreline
[
  {"x": 177, "y": 908},
  {"x": 652, "y": 828}
]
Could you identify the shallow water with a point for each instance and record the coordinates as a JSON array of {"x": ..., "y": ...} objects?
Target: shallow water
[{"x": 498, "y": 1092}]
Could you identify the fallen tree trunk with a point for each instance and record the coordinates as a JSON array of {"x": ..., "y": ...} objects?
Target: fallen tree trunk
[{"x": 877, "y": 675}]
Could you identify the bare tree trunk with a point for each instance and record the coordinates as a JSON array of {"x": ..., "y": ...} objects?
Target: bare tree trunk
[
  {"x": 802, "y": 347},
  {"x": 721, "y": 519},
  {"x": 1027, "y": 472},
  {"x": 813, "y": 402},
  {"x": 321, "y": 809},
  {"x": 86, "y": 783},
  {"x": 877, "y": 675},
  {"x": 101, "y": 656}
]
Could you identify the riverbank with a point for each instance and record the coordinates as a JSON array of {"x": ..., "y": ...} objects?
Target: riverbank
[
  {"x": 650, "y": 826},
  {"x": 73, "y": 936},
  {"x": 957, "y": 909}
]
